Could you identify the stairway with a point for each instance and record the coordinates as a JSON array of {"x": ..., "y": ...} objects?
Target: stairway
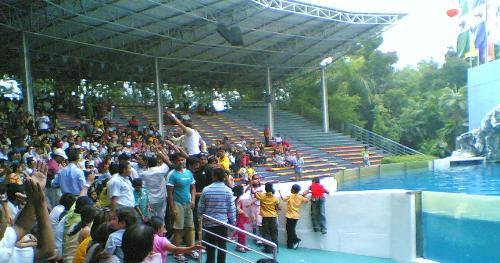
[{"x": 306, "y": 134}]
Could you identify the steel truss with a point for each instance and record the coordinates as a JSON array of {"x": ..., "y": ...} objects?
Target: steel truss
[{"x": 328, "y": 13}]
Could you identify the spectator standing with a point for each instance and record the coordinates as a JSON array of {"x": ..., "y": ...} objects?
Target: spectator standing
[
  {"x": 365, "y": 154},
  {"x": 269, "y": 211},
  {"x": 120, "y": 190},
  {"x": 192, "y": 139},
  {"x": 216, "y": 201},
  {"x": 154, "y": 180},
  {"x": 181, "y": 195},
  {"x": 71, "y": 178},
  {"x": 294, "y": 201},
  {"x": 318, "y": 216}
]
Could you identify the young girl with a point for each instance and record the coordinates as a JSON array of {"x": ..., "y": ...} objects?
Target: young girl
[
  {"x": 241, "y": 218},
  {"x": 162, "y": 245},
  {"x": 254, "y": 205}
]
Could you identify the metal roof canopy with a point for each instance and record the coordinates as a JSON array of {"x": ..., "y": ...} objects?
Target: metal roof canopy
[{"x": 119, "y": 39}]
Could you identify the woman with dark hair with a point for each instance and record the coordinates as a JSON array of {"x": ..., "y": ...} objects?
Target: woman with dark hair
[
  {"x": 161, "y": 244},
  {"x": 78, "y": 233},
  {"x": 137, "y": 245}
]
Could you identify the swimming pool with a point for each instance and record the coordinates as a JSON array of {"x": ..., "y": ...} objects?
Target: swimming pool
[
  {"x": 459, "y": 218},
  {"x": 476, "y": 179}
]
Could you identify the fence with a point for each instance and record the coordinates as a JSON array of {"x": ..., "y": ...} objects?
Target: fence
[
  {"x": 376, "y": 140},
  {"x": 248, "y": 234}
]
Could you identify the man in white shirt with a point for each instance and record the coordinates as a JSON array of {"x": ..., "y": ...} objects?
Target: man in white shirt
[
  {"x": 43, "y": 123},
  {"x": 192, "y": 139},
  {"x": 120, "y": 189},
  {"x": 154, "y": 181}
]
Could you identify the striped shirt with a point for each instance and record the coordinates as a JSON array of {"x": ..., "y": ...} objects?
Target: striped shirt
[{"x": 216, "y": 201}]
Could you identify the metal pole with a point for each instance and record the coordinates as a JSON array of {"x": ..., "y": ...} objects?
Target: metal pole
[
  {"x": 270, "y": 116},
  {"x": 325, "y": 101},
  {"x": 159, "y": 108},
  {"x": 27, "y": 74}
]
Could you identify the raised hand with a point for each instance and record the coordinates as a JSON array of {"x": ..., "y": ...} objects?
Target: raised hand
[
  {"x": 34, "y": 192},
  {"x": 39, "y": 174}
]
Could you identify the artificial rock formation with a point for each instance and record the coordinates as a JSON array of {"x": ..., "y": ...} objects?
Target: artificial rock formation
[{"x": 484, "y": 141}]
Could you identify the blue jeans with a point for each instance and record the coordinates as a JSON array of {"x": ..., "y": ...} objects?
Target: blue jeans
[{"x": 318, "y": 217}]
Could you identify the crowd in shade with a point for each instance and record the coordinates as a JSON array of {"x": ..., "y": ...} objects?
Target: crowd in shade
[{"x": 103, "y": 193}]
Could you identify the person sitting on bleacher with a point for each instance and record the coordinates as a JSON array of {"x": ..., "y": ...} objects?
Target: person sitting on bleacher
[
  {"x": 278, "y": 159},
  {"x": 133, "y": 123}
]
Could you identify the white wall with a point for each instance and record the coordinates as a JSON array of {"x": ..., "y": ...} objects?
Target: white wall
[{"x": 377, "y": 223}]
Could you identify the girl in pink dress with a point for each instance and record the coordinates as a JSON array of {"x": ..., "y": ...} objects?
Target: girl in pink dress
[
  {"x": 241, "y": 218},
  {"x": 162, "y": 245}
]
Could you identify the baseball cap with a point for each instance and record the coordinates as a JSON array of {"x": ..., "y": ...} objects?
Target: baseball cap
[{"x": 60, "y": 152}]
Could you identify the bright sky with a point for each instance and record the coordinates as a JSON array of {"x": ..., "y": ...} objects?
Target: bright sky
[{"x": 424, "y": 33}]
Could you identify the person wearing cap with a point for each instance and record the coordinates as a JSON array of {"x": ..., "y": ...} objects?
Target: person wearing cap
[
  {"x": 71, "y": 178},
  {"x": 54, "y": 164}
]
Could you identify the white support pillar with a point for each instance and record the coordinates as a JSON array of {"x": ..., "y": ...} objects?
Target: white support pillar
[
  {"x": 270, "y": 115},
  {"x": 324, "y": 96},
  {"x": 159, "y": 107},
  {"x": 28, "y": 81}
]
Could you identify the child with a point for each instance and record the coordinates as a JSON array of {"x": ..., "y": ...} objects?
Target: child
[
  {"x": 269, "y": 211},
  {"x": 297, "y": 166},
  {"x": 366, "y": 156},
  {"x": 162, "y": 245},
  {"x": 120, "y": 220},
  {"x": 254, "y": 206},
  {"x": 318, "y": 217},
  {"x": 250, "y": 172},
  {"x": 278, "y": 159},
  {"x": 241, "y": 218},
  {"x": 292, "y": 215},
  {"x": 141, "y": 199}
]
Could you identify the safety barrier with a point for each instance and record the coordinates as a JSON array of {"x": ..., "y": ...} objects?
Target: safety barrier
[{"x": 248, "y": 234}]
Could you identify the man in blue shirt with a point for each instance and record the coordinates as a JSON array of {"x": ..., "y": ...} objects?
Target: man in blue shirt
[
  {"x": 181, "y": 196},
  {"x": 216, "y": 201},
  {"x": 71, "y": 178}
]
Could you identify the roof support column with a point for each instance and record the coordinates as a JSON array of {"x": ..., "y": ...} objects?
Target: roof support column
[
  {"x": 28, "y": 81},
  {"x": 159, "y": 108},
  {"x": 270, "y": 95},
  {"x": 324, "y": 96}
]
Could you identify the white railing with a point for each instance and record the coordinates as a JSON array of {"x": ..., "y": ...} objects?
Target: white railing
[{"x": 248, "y": 234}]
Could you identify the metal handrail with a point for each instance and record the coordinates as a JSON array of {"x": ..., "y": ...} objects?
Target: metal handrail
[
  {"x": 378, "y": 141},
  {"x": 248, "y": 234}
]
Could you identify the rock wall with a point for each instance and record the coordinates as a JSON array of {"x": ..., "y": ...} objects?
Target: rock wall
[{"x": 484, "y": 141}]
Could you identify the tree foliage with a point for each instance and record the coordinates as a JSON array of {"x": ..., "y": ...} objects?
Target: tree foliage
[{"x": 422, "y": 107}]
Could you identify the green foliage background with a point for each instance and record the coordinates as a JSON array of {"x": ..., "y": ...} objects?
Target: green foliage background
[{"x": 422, "y": 107}]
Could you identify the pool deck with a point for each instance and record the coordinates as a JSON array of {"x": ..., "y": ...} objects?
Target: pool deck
[{"x": 301, "y": 255}]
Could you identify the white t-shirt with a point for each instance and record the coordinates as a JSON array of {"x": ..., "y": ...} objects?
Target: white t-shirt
[
  {"x": 121, "y": 187},
  {"x": 192, "y": 141},
  {"x": 8, "y": 244},
  {"x": 54, "y": 216},
  {"x": 154, "y": 182},
  {"x": 43, "y": 122}
]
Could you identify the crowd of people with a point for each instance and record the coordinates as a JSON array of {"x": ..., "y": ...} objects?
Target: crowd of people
[{"x": 103, "y": 193}]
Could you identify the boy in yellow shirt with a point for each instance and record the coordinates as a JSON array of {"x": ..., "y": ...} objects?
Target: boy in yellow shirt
[
  {"x": 294, "y": 201},
  {"x": 269, "y": 211}
]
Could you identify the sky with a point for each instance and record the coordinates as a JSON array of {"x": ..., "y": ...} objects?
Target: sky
[{"x": 425, "y": 33}]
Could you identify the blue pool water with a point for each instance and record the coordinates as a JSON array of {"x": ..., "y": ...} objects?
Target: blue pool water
[
  {"x": 451, "y": 240},
  {"x": 476, "y": 179}
]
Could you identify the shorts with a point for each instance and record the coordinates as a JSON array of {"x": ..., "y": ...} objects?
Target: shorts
[{"x": 184, "y": 218}]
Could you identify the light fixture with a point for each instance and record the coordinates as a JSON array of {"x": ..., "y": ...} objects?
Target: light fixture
[{"x": 325, "y": 62}]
